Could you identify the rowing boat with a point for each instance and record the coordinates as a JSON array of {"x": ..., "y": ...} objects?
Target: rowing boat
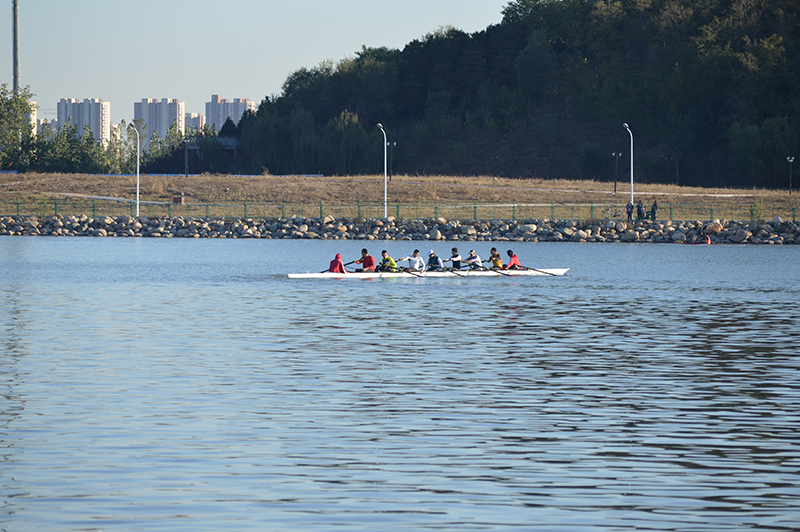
[{"x": 447, "y": 273}]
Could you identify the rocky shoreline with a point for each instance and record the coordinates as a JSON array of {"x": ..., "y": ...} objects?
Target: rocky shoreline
[{"x": 329, "y": 228}]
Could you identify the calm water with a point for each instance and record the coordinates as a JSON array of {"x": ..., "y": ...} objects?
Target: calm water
[{"x": 189, "y": 385}]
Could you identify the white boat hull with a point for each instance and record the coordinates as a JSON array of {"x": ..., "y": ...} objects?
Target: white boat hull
[{"x": 549, "y": 272}]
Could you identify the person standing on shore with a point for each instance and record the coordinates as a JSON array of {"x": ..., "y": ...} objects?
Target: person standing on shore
[
  {"x": 640, "y": 211},
  {"x": 629, "y": 210},
  {"x": 653, "y": 209}
]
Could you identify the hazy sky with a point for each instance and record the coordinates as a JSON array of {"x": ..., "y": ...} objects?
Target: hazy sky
[{"x": 123, "y": 51}]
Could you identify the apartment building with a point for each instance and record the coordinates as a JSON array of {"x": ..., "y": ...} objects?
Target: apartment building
[
  {"x": 92, "y": 112},
  {"x": 159, "y": 115},
  {"x": 195, "y": 121},
  {"x": 219, "y": 109}
]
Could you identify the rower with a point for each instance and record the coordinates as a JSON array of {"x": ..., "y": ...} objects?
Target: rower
[
  {"x": 336, "y": 265},
  {"x": 513, "y": 262},
  {"x": 455, "y": 258},
  {"x": 474, "y": 261},
  {"x": 366, "y": 261},
  {"x": 496, "y": 259},
  {"x": 387, "y": 263},
  {"x": 434, "y": 262},
  {"x": 415, "y": 262}
]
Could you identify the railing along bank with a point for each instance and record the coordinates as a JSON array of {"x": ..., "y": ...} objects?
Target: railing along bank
[{"x": 419, "y": 210}]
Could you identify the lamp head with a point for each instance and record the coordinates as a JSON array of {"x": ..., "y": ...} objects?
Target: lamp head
[
  {"x": 625, "y": 126},
  {"x": 379, "y": 125},
  {"x": 790, "y": 159}
]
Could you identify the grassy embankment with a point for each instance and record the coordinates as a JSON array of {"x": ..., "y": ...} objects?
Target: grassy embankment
[{"x": 408, "y": 190}]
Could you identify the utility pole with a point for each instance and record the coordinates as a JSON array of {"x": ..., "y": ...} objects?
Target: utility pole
[{"x": 15, "y": 8}]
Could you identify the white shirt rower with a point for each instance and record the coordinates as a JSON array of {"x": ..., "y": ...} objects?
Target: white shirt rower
[{"x": 415, "y": 262}]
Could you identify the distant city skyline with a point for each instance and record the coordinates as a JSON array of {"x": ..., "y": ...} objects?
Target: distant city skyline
[{"x": 122, "y": 53}]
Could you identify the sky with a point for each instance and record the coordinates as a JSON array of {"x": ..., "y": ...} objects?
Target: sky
[{"x": 123, "y": 51}]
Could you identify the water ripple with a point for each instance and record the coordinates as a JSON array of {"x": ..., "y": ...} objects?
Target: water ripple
[{"x": 224, "y": 397}]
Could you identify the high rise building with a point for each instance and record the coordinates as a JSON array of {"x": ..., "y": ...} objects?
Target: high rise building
[
  {"x": 91, "y": 112},
  {"x": 195, "y": 121},
  {"x": 219, "y": 109},
  {"x": 159, "y": 116},
  {"x": 34, "y": 115}
]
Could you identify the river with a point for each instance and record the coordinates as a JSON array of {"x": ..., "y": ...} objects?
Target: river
[{"x": 188, "y": 384}]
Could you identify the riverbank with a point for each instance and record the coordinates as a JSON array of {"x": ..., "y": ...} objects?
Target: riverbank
[
  {"x": 329, "y": 228},
  {"x": 350, "y": 190}
]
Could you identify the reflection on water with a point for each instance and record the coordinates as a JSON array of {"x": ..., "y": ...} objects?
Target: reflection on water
[{"x": 191, "y": 386}]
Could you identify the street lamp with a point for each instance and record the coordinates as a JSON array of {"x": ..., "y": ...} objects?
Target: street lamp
[
  {"x": 384, "y": 169},
  {"x": 616, "y": 155},
  {"x": 133, "y": 125},
  {"x": 791, "y": 160},
  {"x": 631, "y": 133},
  {"x": 391, "y": 159}
]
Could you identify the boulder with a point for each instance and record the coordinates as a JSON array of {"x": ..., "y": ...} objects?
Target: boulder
[
  {"x": 678, "y": 236},
  {"x": 740, "y": 236},
  {"x": 580, "y": 236}
]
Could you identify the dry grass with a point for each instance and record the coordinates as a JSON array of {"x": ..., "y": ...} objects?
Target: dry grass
[{"x": 223, "y": 189}]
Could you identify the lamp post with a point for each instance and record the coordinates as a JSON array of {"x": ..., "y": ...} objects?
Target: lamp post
[
  {"x": 631, "y": 133},
  {"x": 791, "y": 160},
  {"x": 133, "y": 125},
  {"x": 391, "y": 159},
  {"x": 384, "y": 169},
  {"x": 616, "y": 155}
]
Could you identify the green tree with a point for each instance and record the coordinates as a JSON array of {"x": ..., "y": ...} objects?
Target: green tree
[
  {"x": 228, "y": 129},
  {"x": 534, "y": 65},
  {"x": 15, "y": 127}
]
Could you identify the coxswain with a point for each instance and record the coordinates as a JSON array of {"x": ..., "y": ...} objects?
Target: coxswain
[
  {"x": 336, "y": 265},
  {"x": 455, "y": 258},
  {"x": 513, "y": 262},
  {"x": 496, "y": 259},
  {"x": 415, "y": 262},
  {"x": 434, "y": 262},
  {"x": 387, "y": 263},
  {"x": 366, "y": 261},
  {"x": 474, "y": 261}
]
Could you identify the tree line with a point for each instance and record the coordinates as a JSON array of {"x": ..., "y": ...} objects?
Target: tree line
[{"x": 710, "y": 89}]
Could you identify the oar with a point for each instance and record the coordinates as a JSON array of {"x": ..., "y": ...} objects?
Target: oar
[
  {"x": 498, "y": 270},
  {"x": 454, "y": 272},
  {"x": 540, "y": 271},
  {"x": 348, "y": 264}
]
